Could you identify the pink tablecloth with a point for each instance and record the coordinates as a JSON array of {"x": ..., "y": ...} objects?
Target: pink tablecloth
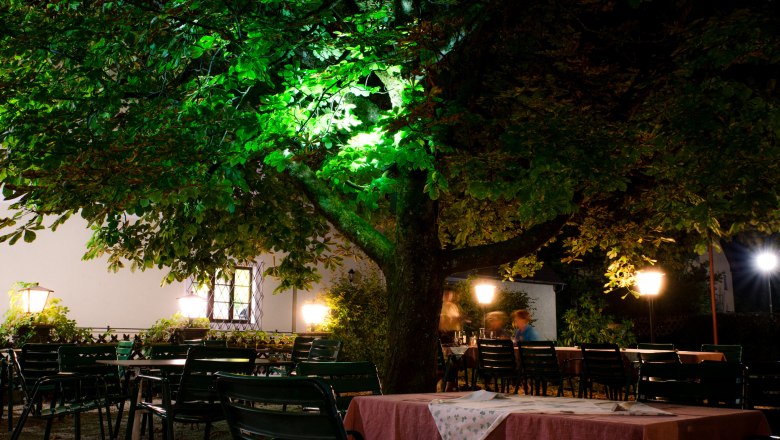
[{"x": 406, "y": 417}]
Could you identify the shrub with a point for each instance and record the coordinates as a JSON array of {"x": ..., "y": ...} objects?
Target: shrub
[
  {"x": 358, "y": 311},
  {"x": 588, "y": 323}
]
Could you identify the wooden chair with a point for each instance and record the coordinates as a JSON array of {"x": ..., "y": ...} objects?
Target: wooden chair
[
  {"x": 347, "y": 379},
  {"x": 196, "y": 400},
  {"x": 539, "y": 366},
  {"x": 668, "y": 382},
  {"x": 256, "y": 407},
  {"x": 497, "y": 363},
  {"x": 733, "y": 353},
  {"x": 762, "y": 382},
  {"x": 718, "y": 384},
  {"x": 722, "y": 384},
  {"x": 82, "y": 359},
  {"x": 603, "y": 364},
  {"x": 71, "y": 395},
  {"x": 34, "y": 362},
  {"x": 660, "y": 357},
  {"x": 324, "y": 350}
]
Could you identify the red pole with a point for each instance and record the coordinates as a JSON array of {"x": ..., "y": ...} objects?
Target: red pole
[{"x": 712, "y": 294}]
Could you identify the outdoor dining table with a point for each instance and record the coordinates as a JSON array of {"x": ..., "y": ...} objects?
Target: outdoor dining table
[{"x": 408, "y": 417}]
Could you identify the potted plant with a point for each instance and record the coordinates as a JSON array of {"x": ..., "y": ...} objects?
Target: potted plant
[
  {"x": 176, "y": 328},
  {"x": 21, "y": 326}
]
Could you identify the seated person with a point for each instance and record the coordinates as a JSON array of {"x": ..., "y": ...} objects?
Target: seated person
[
  {"x": 521, "y": 319},
  {"x": 495, "y": 325}
]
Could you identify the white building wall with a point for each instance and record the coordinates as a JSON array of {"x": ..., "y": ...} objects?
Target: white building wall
[{"x": 542, "y": 307}]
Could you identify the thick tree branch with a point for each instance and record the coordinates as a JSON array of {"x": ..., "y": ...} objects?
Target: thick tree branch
[
  {"x": 351, "y": 225},
  {"x": 498, "y": 253}
]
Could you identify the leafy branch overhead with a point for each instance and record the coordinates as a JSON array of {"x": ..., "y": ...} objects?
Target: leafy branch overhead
[{"x": 433, "y": 136}]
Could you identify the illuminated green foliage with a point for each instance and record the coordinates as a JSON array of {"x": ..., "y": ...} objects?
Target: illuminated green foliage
[{"x": 436, "y": 137}]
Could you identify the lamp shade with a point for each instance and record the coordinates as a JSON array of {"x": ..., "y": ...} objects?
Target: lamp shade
[
  {"x": 192, "y": 306},
  {"x": 314, "y": 314},
  {"x": 35, "y": 298},
  {"x": 485, "y": 293},
  {"x": 649, "y": 282}
]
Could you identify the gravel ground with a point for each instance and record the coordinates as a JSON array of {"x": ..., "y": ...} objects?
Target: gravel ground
[{"x": 64, "y": 429}]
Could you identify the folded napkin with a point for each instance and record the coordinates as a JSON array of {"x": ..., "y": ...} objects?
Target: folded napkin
[{"x": 456, "y": 422}]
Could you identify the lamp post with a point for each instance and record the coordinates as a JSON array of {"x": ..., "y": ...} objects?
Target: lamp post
[
  {"x": 314, "y": 314},
  {"x": 766, "y": 262},
  {"x": 649, "y": 283},
  {"x": 485, "y": 294},
  {"x": 35, "y": 298}
]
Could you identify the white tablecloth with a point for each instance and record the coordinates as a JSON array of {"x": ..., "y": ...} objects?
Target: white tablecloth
[{"x": 475, "y": 415}]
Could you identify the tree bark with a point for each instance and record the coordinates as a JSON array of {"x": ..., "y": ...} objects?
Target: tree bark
[{"x": 414, "y": 281}]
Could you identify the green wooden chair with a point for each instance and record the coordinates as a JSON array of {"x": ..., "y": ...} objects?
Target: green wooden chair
[
  {"x": 82, "y": 359},
  {"x": 497, "y": 363},
  {"x": 539, "y": 366},
  {"x": 324, "y": 350},
  {"x": 71, "y": 395},
  {"x": 603, "y": 364},
  {"x": 196, "y": 400},
  {"x": 733, "y": 353},
  {"x": 347, "y": 379},
  {"x": 660, "y": 357},
  {"x": 257, "y": 407},
  {"x": 669, "y": 382}
]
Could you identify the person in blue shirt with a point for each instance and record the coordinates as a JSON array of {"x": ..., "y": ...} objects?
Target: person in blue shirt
[{"x": 521, "y": 319}]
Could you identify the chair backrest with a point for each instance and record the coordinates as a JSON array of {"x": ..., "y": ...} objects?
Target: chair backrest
[
  {"x": 37, "y": 361},
  {"x": 82, "y": 359},
  {"x": 301, "y": 347},
  {"x": 659, "y": 357},
  {"x": 538, "y": 359},
  {"x": 496, "y": 356},
  {"x": 722, "y": 383},
  {"x": 655, "y": 346},
  {"x": 763, "y": 385},
  {"x": 668, "y": 382},
  {"x": 168, "y": 351},
  {"x": 347, "y": 379},
  {"x": 719, "y": 384},
  {"x": 197, "y": 378},
  {"x": 733, "y": 353},
  {"x": 258, "y": 406},
  {"x": 124, "y": 349},
  {"x": 603, "y": 363},
  {"x": 324, "y": 350}
]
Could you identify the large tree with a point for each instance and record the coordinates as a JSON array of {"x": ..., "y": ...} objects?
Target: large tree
[{"x": 434, "y": 136}]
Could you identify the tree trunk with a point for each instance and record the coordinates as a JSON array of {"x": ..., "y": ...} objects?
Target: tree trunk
[{"x": 410, "y": 362}]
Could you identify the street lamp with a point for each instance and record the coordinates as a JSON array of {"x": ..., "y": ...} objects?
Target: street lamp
[
  {"x": 314, "y": 314},
  {"x": 35, "y": 298},
  {"x": 766, "y": 262},
  {"x": 649, "y": 283},
  {"x": 485, "y": 294}
]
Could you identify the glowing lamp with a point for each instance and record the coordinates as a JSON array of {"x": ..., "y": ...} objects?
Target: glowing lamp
[
  {"x": 35, "y": 298},
  {"x": 649, "y": 282},
  {"x": 314, "y": 314},
  {"x": 485, "y": 293},
  {"x": 192, "y": 306}
]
